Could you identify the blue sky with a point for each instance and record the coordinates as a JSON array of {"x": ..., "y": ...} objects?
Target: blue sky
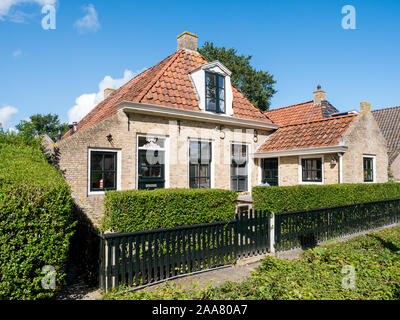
[{"x": 97, "y": 44}]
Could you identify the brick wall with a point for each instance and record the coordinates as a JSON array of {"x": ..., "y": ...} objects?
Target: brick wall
[{"x": 124, "y": 130}]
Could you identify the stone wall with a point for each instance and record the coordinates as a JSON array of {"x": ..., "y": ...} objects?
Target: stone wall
[
  {"x": 364, "y": 138},
  {"x": 124, "y": 130}
]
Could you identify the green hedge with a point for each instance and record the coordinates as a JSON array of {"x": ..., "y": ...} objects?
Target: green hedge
[
  {"x": 136, "y": 210},
  {"x": 304, "y": 197},
  {"x": 35, "y": 220}
]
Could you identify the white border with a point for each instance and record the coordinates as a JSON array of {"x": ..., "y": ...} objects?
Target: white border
[
  {"x": 301, "y": 173},
  {"x": 119, "y": 169}
]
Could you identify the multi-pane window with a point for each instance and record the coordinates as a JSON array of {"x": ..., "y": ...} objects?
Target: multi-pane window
[
  {"x": 368, "y": 169},
  {"x": 103, "y": 171},
  {"x": 215, "y": 93},
  {"x": 151, "y": 162},
  {"x": 239, "y": 161},
  {"x": 199, "y": 164},
  {"x": 311, "y": 170}
]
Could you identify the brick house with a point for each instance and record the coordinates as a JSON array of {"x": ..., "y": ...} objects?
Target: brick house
[
  {"x": 181, "y": 124},
  {"x": 389, "y": 122}
]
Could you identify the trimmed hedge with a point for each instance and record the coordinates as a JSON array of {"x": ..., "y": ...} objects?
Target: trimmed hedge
[
  {"x": 35, "y": 220},
  {"x": 304, "y": 197},
  {"x": 136, "y": 210}
]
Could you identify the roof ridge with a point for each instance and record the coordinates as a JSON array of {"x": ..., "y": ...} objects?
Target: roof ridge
[
  {"x": 159, "y": 74},
  {"x": 321, "y": 120},
  {"x": 291, "y": 106}
]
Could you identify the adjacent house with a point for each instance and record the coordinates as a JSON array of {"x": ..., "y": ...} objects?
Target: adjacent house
[
  {"x": 181, "y": 124},
  {"x": 389, "y": 122}
]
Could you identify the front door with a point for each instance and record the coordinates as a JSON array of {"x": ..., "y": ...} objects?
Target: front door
[
  {"x": 151, "y": 170},
  {"x": 270, "y": 171}
]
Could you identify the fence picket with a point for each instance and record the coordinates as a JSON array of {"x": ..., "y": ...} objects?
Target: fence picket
[{"x": 149, "y": 256}]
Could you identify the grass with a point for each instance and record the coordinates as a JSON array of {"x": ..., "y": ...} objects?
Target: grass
[{"x": 316, "y": 275}]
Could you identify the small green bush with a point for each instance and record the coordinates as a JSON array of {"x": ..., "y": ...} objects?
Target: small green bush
[
  {"x": 136, "y": 210},
  {"x": 304, "y": 197},
  {"x": 35, "y": 219}
]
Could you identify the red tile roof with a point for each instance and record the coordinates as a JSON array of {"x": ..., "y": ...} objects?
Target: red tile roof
[
  {"x": 167, "y": 84},
  {"x": 297, "y": 113},
  {"x": 313, "y": 134}
]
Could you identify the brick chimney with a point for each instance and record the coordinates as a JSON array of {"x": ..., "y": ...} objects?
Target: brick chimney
[
  {"x": 108, "y": 92},
  {"x": 319, "y": 95},
  {"x": 365, "y": 107},
  {"x": 187, "y": 41}
]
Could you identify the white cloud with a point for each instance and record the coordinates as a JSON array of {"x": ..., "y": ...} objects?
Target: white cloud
[
  {"x": 5, "y": 115},
  {"x": 17, "y": 53},
  {"x": 8, "y": 9},
  {"x": 86, "y": 102},
  {"x": 90, "y": 22}
]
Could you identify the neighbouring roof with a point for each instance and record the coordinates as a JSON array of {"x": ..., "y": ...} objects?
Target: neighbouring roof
[
  {"x": 312, "y": 134},
  {"x": 167, "y": 84},
  {"x": 389, "y": 122},
  {"x": 300, "y": 113}
]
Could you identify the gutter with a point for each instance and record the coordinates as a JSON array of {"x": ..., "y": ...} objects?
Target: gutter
[
  {"x": 298, "y": 152},
  {"x": 134, "y": 107}
]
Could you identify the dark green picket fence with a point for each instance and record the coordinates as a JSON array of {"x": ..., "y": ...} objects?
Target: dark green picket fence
[
  {"x": 146, "y": 257},
  {"x": 150, "y": 256},
  {"x": 305, "y": 229}
]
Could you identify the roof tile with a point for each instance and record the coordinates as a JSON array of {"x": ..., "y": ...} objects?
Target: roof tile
[{"x": 313, "y": 134}]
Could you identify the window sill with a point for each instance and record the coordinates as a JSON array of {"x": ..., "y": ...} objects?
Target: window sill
[{"x": 311, "y": 182}]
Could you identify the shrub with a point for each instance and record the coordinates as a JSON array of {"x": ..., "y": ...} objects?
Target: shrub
[
  {"x": 135, "y": 210},
  {"x": 35, "y": 219},
  {"x": 304, "y": 197}
]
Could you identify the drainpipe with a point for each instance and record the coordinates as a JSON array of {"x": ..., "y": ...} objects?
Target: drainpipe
[{"x": 340, "y": 167}]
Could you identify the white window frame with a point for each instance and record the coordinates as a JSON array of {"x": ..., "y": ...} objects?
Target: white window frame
[
  {"x": 212, "y": 182},
  {"x": 165, "y": 149},
  {"x": 119, "y": 169},
  {"x": 373, "y": 157},
  {"x": 260, "y": 168},
  {"x": 249, "y": 164},
  {"x": 300, "y": 169}
]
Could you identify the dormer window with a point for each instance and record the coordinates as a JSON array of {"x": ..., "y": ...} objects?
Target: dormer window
[{"x": 215, "y": 92}]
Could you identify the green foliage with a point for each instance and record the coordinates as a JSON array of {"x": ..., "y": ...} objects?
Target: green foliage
[
  {"x": 304, "y": 197},
  {"x": 35, "y": 219},
  {"x": 316, "y": 275},
  {"x": 257, "y": 86},
  {"x": 40, "y": 124},
  {"x": 135, "y": 210}
]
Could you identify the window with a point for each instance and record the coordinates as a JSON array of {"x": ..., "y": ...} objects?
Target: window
[
  {"x": 311, "y": 170},
  {"x": 103, "y": 171},
  {"x": 152, "y": 168},
  {"x": 368, "y": 169},
  {"x": 239, "y": 160},
  {"x": 215, "y": 93},
  {"x": 199, "y": 164}
]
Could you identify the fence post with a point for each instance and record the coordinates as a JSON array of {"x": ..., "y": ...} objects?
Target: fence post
[{"x": 272, "y": 233}]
